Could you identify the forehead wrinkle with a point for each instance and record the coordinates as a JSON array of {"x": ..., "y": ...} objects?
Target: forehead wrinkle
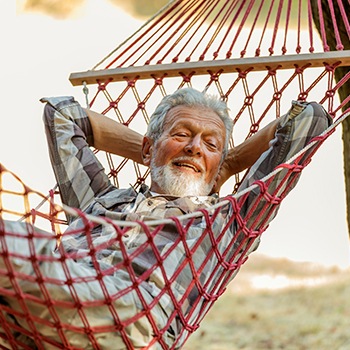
[{"x": 192, "y": 122}]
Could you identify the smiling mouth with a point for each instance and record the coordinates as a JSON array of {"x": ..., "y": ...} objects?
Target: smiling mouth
[{"x": 187, "y": 165}]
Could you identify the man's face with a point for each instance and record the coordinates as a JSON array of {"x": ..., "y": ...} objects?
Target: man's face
[{"x": 185, "y": 160}]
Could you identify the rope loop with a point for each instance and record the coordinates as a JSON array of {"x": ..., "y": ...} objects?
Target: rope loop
[
  {"x": 272, "y": 71},
  {"x": 299, "y": 70},
  {"x": 263, "y": 186},
  {"x": 113, "y": 104},
  {"x": 330, "y": 93},
  {"x": 254, "y": 128},
  {"x": 255, "y": 233},
  {"x": 186, "y": 78},
  {"x": 293, "y": 167},
  {"x": 141, "y": 105},
  {"x": 248, "y": 101},
  {"x": 277, "y": 95},
  {"x": 158, "y": 80},
  {"x": 192, "y": 328},
  {"x": 302, "y": 96},
  {"x": 268, "y": 196},
  {"x": 242, "y": 74},
  {"x": 113, "y": 172},
  {"x": 140, "y": 180},
  {"x": 340, "y": 47},
  {"x": 330, "y": 67}
]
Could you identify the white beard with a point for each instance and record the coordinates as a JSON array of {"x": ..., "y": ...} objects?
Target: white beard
[{"x": 179, "y": 183}]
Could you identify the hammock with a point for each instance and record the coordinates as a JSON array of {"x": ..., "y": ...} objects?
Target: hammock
[{"x": 257, "y": 56}]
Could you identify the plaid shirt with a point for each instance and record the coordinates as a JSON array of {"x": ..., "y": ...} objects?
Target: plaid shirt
[{"x": 83, "y": 184}]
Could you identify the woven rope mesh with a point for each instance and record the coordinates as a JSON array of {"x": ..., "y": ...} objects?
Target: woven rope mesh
[
  {"x": 31, "y": 294},
  {"x": 41, "y": 311}
]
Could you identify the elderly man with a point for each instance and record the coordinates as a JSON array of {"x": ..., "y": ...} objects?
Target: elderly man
[{"x": 186, "y": 148}]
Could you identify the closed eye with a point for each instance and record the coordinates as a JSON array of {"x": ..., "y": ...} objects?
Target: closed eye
[
  {"x": 181, "y": 135},
  {"x": 212, "y": 144}
]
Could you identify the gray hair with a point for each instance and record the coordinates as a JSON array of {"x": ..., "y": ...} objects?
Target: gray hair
[{"x": 191, "y": 98}]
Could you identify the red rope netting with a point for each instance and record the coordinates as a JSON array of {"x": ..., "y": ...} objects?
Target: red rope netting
[
  {"x": 54, "y": 312},
  {"x": 41, "y": 309}
]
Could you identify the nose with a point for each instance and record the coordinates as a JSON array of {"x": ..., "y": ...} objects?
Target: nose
[{"x": 194, "y": 146}]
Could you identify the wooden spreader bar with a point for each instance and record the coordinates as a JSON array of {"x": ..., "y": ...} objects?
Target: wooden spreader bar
[{"x": 202, "y": 67}]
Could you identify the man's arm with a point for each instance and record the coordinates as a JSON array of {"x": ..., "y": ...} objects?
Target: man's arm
[
  {"x": 114, "y": 137},
  {"x": 246, "y": 154}
]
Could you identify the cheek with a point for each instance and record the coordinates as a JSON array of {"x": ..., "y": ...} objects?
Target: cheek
[
  {"x": 214, "y": 165},
  {"x": 170, "y": 148},
  {"x": 165, "y": 151}
]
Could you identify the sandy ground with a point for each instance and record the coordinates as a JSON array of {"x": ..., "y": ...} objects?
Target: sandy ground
[{"x": 278, "y": 304}]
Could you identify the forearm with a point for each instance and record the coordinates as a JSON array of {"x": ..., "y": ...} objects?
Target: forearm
[
  {"x": 114, "y": 137},
  {"x": 247, "y": 153}
]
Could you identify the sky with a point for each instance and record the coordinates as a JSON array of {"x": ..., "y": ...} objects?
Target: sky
[{"x": 40, "y": 51}]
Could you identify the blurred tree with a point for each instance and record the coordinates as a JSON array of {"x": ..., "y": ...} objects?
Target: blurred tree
[{"x": 339, "y": 73}]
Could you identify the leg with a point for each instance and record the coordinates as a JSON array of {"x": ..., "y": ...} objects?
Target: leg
[{"x": 79, "y": 174}]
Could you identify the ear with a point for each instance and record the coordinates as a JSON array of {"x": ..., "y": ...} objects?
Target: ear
[{"x": 147, "y": 149}]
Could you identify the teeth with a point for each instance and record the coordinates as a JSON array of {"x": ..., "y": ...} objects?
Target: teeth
[{"x": 188, "y": 166}]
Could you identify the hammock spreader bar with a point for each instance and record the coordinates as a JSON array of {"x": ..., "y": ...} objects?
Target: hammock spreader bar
[{"x": 340, "y": 58}]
